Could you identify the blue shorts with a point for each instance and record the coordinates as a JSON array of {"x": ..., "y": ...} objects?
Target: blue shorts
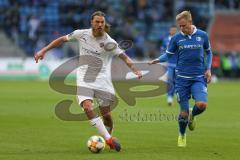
[{"x": 190, "y": 87}]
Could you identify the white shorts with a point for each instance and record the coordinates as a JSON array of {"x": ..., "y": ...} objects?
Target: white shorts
[{"x": 103, "y": 98}]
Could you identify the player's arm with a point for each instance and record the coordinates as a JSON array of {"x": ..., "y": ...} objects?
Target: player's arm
[
  {"x": 130, "y": 64},
  {"x": 208, "y": 65},
  {"x": 208, "y": 51},
  {"x": 55, "y": 43},
  {"x": 172, "y": 48},
  {"x": 162, "y": 58}
]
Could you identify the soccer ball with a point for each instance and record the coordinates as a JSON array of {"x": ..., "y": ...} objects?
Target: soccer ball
[{"x": 96, "y": 144}]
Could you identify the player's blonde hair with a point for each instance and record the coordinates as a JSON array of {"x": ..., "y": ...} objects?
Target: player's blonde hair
[{"x": 184, "y": 15}]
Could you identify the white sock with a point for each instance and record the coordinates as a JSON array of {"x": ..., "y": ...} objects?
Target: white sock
[
  {"x": 109, "y": 129},
  {"x": 98, "y": 123},
  {"x": 170, "y": 99}
]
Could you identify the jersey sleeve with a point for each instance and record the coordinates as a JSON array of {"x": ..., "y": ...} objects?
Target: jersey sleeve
[
  {"x": 75, "y": 35},
  {"x": 172, "y": 46},
  {"x": 206, "y": 44},
  {"x": 207, "y": 48},
  {"x": 117, "y": 51}
]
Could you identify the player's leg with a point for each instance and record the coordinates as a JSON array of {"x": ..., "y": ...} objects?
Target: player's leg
[
  {"x": 170, "y": 92},
  {"x": 105, "y": 101},
  {"x": 108, "y": 122},
  {"x": 183, "y": 117},
  {"x": 98, "y": 123},
  {"x": 107, "y": 118},
  {"x": 199, "y": 92},
  {"x": 182, "y": 123},
  {"x": 199, "y": 107},
  {"x": 85, "y": 100},
  {"x": 183, "y": 95},
  {"x": 94, "y": 119}
]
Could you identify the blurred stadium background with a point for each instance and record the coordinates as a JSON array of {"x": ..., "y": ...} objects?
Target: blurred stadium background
[
  {"x": 29, "y": 128},
  {"x": 27, "y": 25}
]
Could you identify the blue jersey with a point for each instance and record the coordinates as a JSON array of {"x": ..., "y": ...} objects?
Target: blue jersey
[
  {"x": 173, "y": 59},
  {"x": 190, "y": 53}
]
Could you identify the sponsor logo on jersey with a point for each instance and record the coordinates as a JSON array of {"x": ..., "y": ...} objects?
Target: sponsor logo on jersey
[
  {"x": 191, "y": 46},
  {"x": 89, "y": 51}
]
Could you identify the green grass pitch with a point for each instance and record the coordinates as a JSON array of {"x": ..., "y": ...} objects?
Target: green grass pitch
[{"x": 30, "y": 130}]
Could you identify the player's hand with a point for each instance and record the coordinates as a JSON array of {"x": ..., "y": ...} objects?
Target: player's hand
[
  {"x": 208, "y": 75},
  {"x": 152, "y": 62},
  {"x": 39, "y": 55},
  {"x": 139, "y": 74}
]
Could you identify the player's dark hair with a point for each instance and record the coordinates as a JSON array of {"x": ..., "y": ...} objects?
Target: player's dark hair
[
  {"x": 100, "y": 13},
  {"x": 107, "y": 27}
]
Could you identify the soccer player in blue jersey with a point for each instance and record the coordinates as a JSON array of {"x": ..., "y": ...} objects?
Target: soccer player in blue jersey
[
  {"x": 193, "y": 71},
  {"x": 171, "y": 65}
]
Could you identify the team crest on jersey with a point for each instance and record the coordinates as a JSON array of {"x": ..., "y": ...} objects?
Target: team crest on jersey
[{"x": 198, "y": 38}]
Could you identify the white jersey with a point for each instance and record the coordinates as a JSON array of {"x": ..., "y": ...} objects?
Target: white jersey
[{"x": 96, "y": 53}]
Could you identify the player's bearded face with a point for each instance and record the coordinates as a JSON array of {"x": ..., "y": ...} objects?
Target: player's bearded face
[
  {"x": 98, "y": 25},
  {"x": 185, "y": 26}
]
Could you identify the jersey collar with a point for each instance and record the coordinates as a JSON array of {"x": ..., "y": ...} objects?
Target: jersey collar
[{"x": 194, "y": 31}]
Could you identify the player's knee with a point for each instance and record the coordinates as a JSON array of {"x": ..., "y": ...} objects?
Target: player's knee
[
  {"x": 107, "y": 119},
  {"x": 201, "y": 105},
  {"x": 184, "y": 114},
  {"x": 107, "y": 116},
  {"x": 87, "y": 105},
  {"x": 105, "y": 111}
]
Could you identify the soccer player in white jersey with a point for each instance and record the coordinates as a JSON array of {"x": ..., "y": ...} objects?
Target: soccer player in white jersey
[{"x": 97, "y": 43}]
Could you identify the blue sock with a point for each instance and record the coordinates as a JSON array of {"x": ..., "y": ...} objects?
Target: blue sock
[
  {"x": 197, "y": 111},
  {"x": 182, "y": 122}
]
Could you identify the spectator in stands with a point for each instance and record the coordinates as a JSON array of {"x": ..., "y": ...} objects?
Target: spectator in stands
[
  {"x": 33, "y": 26},
  {"x": 65, "y": 16},
  {"x": 216, "y": 62},
  {"x": 229, "y": 4},
  {"x": 234, "y": 64},
  {"x": 11, "y": 21},
  {"x": 238, "y": 64},
  {"x": 226, "y": 65}
]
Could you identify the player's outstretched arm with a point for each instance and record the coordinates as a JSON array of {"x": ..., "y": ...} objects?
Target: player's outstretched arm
[
  {"x": 55, "y": 43},
  {"x": 155, "y": 61},
  {"x": 162, "y": 58},
  {"x": 129, "y": 63}
]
